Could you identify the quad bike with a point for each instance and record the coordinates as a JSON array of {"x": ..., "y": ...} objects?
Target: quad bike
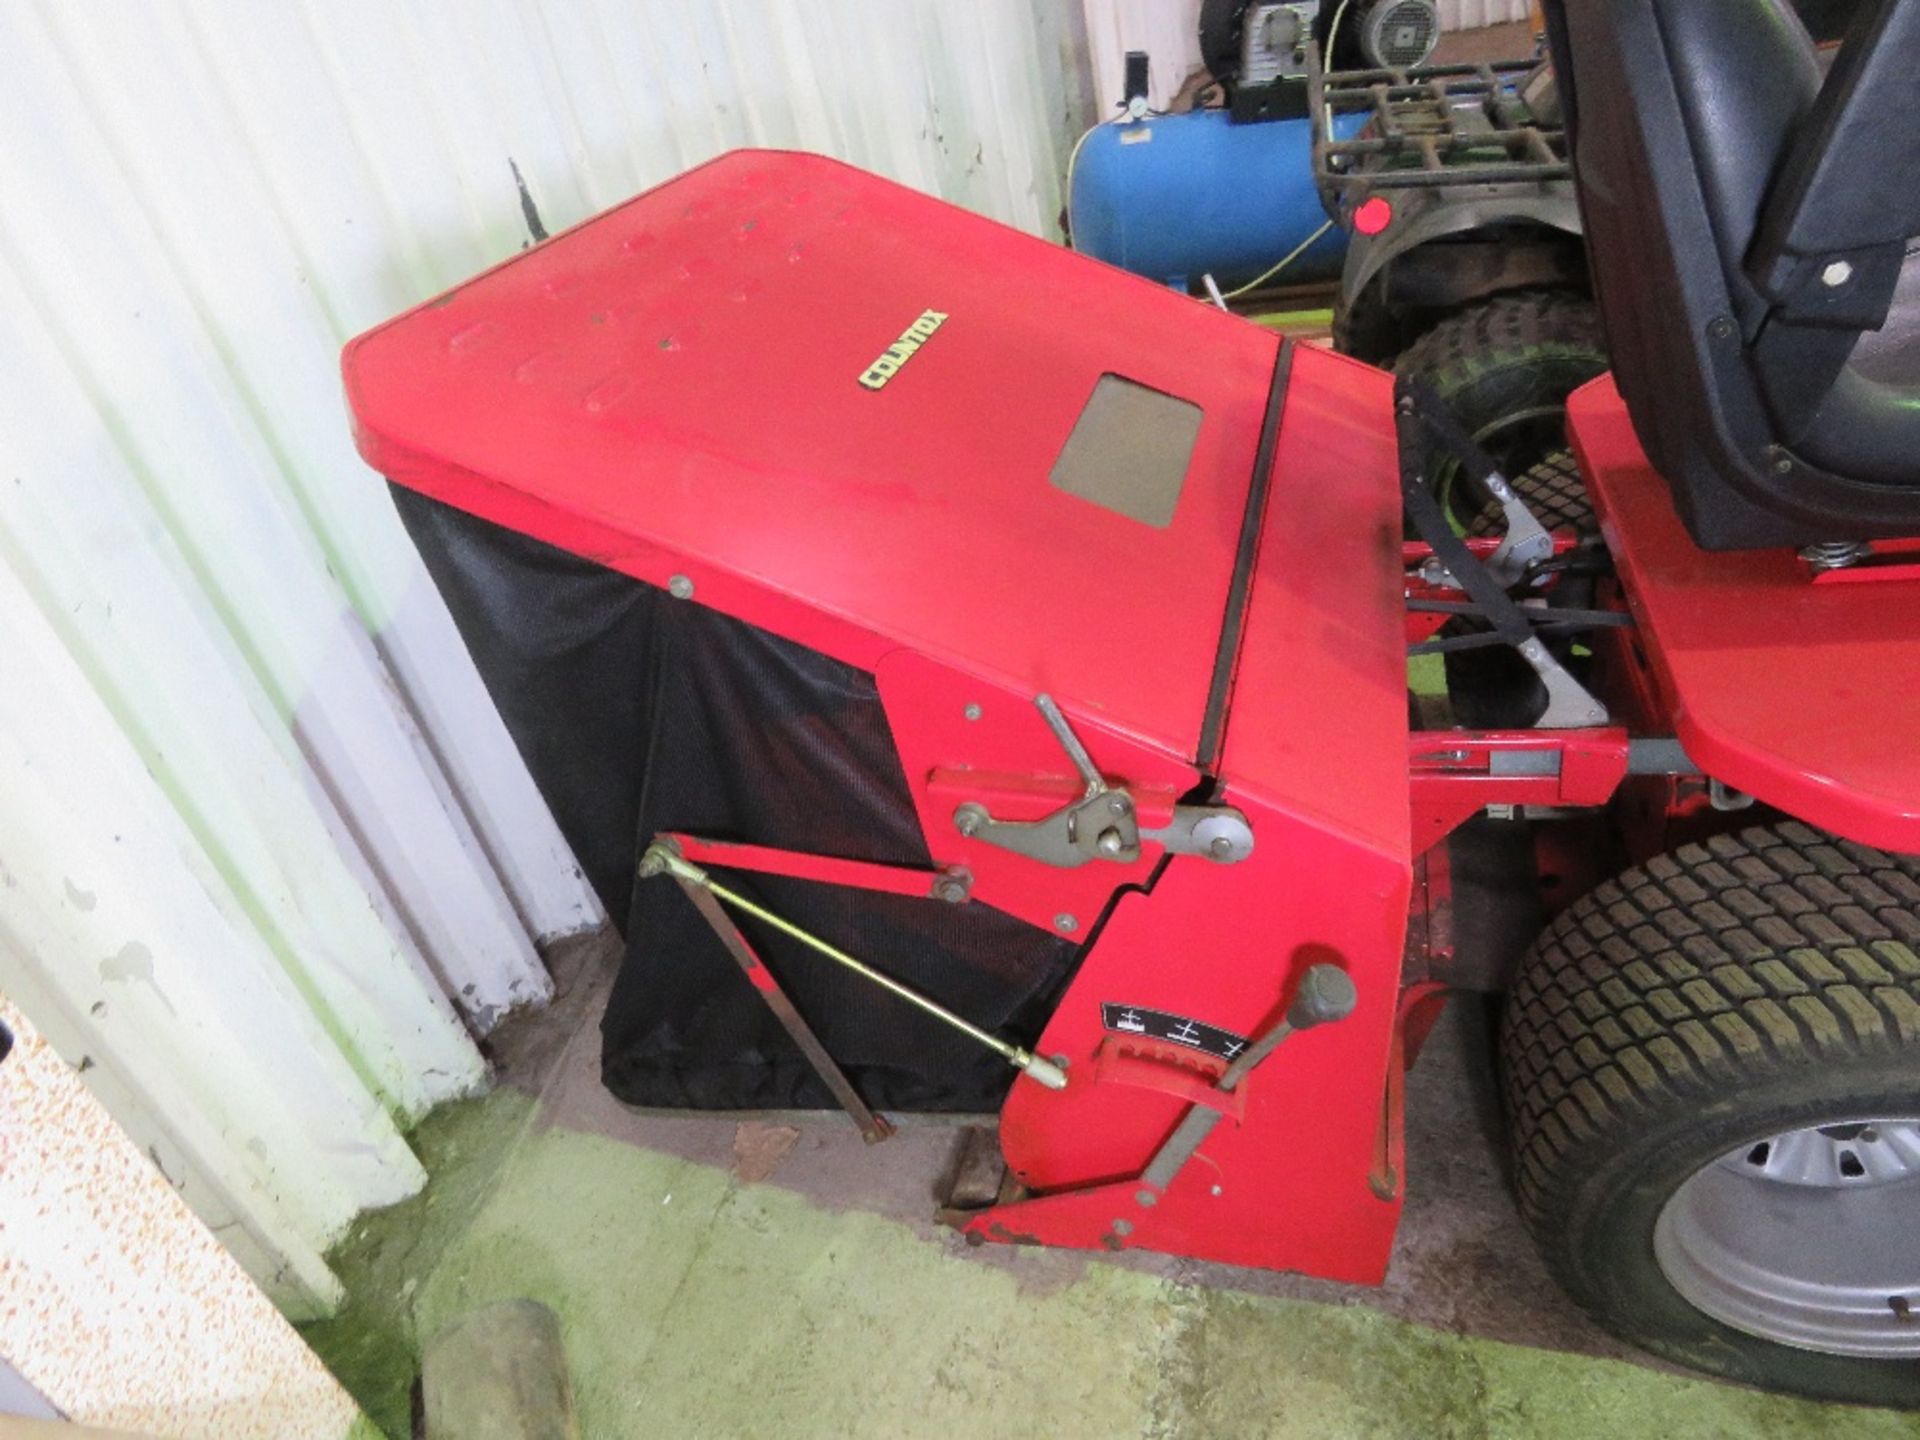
[
  {"x": 1118, "y": 585},
  {"x": 1465, "y": 268}
]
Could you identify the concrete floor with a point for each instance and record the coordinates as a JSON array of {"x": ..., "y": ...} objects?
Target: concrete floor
[{"x": 718, "y": 1277}]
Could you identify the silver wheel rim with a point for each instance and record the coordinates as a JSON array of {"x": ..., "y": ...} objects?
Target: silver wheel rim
[{"x": 1810, "y": 1238}]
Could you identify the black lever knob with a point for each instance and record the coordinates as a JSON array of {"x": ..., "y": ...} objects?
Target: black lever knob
[{"x": 1326, "y": 994}]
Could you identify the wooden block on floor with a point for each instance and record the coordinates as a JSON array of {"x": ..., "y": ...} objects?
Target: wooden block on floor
[{"x": 499, "y": 1374}]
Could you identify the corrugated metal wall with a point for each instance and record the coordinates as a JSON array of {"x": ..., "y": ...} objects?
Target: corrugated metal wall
[
  {"x": 1472, "y": 14},
  {"x": 267, "y": 857},
  {"x": 1168, "y": 30}
]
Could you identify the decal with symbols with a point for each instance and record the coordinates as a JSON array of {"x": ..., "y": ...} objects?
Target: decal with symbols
[{"x": 1174, "y": 1029}]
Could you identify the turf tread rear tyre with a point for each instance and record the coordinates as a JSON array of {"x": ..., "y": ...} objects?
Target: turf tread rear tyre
[
  {"x": 1761, "y": 964},
  {"x": 1554, "y": 492}
]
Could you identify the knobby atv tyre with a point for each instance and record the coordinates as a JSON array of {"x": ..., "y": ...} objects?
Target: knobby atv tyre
[
  {"x": 1220, "y": 22},
  {"x": 1728, "y": 992},
  {"x": 1505, "y": 367}
]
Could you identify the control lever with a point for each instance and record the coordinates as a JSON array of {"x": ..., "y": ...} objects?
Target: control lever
[
  {"x": 1102, "y": 823},
  {"x": 1326, "y": 995}
]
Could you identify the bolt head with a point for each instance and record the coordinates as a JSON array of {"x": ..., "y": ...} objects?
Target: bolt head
[
  {"x": 1720, "y": 328},
  {"x": 1220, "y": 847},
  {"x": 1838, "y": 273},
  {"x": 1065, "y": 923},
  {"x": 680, "y": 587},
  {"x": 972, "y": 712}
]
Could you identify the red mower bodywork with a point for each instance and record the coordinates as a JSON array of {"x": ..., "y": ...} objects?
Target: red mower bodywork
[{"x": 683, "y": 389}]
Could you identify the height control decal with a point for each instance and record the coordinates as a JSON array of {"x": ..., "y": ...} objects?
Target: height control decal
[{"x": 1173, "y": 1029}]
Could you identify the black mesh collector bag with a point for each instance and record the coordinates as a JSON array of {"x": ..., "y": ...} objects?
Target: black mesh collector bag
[{"x": 638, "y": 714}]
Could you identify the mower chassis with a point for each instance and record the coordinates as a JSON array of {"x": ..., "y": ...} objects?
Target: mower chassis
[{"x": 684, "y": 390}]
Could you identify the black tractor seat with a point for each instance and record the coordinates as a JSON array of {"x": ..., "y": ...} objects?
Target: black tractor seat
[
  {"x": 1749, "y": 224},
  {"x": 1891, "y": 354}
]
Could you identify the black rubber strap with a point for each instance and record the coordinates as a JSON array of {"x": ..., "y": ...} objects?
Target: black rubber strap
[
  {"x": 1430, "y": 521},
  {"x": 1537, "y": 615},
  {"x": 1452, "y": 435},
  {"x": 1486, "y": 639},
  {"x": 1213, "y": 721}
]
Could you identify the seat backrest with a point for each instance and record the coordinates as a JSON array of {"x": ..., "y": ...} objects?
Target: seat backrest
[{"x": 1746, "y": 223}]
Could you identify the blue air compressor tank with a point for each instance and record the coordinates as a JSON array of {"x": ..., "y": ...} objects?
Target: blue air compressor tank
[{"x": 1174, "y": 197}]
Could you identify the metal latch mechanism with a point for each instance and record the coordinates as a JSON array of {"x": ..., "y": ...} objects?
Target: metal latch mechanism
[{"x": 1104, "y": 824}]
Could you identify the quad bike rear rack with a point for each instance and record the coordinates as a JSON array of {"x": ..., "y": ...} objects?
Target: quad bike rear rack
[{"x": 1429, "y": 126}]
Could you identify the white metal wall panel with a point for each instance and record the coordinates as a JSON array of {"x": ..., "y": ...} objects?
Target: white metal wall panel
[
  {"x": 267, "y": 855},
  {"x": 1474, "y": 14},
  {"x": 1168, "y": 30}
]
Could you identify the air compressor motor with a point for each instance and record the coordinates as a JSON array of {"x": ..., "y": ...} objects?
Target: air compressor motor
[{"x": 1258, "y": 50}]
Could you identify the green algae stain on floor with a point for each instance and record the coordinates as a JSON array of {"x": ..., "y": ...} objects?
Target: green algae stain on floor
[
  {"x": 693, "y": 1304},
  {"x": 1287, "y": 1369},
  {"x": 372, "y": 1345},
  {"x": 719, "y": 1310}
]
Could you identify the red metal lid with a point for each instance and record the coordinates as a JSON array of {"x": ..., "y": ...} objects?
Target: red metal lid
[{"x": 687, "y": 383}]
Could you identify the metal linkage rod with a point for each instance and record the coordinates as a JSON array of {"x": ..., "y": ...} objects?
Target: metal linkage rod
[
  {"x": 873, "y": 1128},
  {"x": 663, "y": 859},
  {"x": 1063, "y": 732}
]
